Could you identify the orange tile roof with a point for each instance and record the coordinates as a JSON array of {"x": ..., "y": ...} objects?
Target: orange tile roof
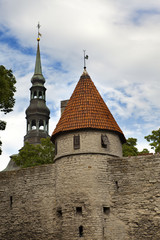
[{"x": 86, "y": 109}]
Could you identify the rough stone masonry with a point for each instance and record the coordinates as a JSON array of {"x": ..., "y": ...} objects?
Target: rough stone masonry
[{"x": 92, "y": 197}]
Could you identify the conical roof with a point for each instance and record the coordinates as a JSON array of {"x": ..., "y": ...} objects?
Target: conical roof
[{"x": 86, "y": 110}]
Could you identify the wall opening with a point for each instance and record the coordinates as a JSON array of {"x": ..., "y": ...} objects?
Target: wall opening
[
  {"x": 59, "y": 212},
  {"x": 80, "y": 231},
  {"x": 35, "y": 94},
  {"x": 33, "y": 125},
  {"x": 11, "y": 202},
  {"x": 117, "y": 186},
  {"x": 41, "y": 125},
  {"x": 40, "y": 95},
  {"x": 104, "y": 141},
  {"x": 79, "y": 210},
  {"x": 103, "y": 231},
  {"x": 106, "y": 210},
  {"x": 76, "y": 142}
]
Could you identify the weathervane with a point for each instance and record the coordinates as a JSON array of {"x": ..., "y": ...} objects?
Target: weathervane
[
  {"x": 85, "y": 57},
  {"x": 39, "y": 34}
]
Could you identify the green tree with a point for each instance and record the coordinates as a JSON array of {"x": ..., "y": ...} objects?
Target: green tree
[
  {"x": 144, "y": 151},
  {"x": 2, "y": 127},
  {"x": 154, "y": 140},
  {"x": 129, "y": 148},
  {"x": 33, "y": 155},
  {"x": 7, "y": 90}
]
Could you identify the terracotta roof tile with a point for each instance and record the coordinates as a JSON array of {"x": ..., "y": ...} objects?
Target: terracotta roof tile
[{"x": 86, "y": 109}]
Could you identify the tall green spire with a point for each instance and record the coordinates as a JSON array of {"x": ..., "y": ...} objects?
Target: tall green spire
[
  {"x": 38, "y": 68},
  {"x": 38, "y": 76}
]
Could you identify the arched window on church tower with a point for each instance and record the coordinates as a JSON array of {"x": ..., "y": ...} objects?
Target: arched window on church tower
[
  {"x": 41, "y": 124},
  {"x": 35, "y": 94},
  {"x": 40, "y": 95},
  {"x": 33, "y": 124}
]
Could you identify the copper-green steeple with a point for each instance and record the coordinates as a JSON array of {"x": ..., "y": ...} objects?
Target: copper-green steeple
[
  {"x": 37, "y": 114},
  {"x": 38, "y": 76},
  {"x": 38, "y": 68}
]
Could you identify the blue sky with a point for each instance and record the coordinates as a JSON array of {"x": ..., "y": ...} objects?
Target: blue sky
[{"x": 123, "y": 44}]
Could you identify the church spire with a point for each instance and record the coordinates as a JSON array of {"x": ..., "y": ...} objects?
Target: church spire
[
  {"x": 37, "y": 114},
  {"x": 38, "y": 68}
]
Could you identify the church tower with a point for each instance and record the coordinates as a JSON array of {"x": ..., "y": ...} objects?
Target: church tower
[{"x": 37, "y": 114}]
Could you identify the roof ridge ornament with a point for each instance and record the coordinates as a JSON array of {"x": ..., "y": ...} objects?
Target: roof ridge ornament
[{"x": 85, "y": 57}]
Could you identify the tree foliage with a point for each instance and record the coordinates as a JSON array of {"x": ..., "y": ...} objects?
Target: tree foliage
[
  {"x": 2, "y": 127},
  {"x": 33, "y": 155},
  {"x": 129, "y": 148},
  {"x": 154, "y": 140},
  {"x": 7, "y": 90},
  {"x": 144, "y": 151}
]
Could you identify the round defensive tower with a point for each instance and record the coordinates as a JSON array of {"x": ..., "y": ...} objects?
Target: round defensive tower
[
  {"x": 86, "y": 138},
  {"x": 86, "y": 125}
]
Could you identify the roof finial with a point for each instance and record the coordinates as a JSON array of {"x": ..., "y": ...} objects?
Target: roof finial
[
  {"x": 39, "y": 34},
  {"x": 85, "y": 57}
]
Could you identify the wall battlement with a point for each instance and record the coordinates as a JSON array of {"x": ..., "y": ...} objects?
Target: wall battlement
[{"x": 90, "y": 197}]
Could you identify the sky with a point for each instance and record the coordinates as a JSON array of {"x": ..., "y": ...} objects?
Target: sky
[{"x": 122, "y": 40}]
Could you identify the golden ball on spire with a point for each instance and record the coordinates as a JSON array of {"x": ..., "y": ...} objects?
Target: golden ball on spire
[{"x": 38, "y": 39}]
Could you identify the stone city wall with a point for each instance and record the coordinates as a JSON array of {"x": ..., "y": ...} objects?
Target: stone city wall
[{"x": 87, "y": 196}]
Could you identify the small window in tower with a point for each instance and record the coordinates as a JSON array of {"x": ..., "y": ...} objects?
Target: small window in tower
[
  {"x": 59, "y": 212},
  {"x": 76, "y": 142},
  {"x": 35, "y": 94},
  {"x": 41, "y": 125},
  {"x": 81, "y": 231},
  {"x": 40, "y": 95},
  {"x": 106, "y": 210},
  {"x": 79, "y": 210},
  {"x": 104, "y": 141},
  {"x": 33, "y": 125},
  {"x": 11, "y": 202}
]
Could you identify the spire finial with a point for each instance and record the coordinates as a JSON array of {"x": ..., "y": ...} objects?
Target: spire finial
[
  {"x": 38, "y": 69},
  {"x": 85, "y": 57},
  {"x": 39, "y": 34}
]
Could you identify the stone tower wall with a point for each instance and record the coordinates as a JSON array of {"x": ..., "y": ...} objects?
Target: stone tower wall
[
  {"x": 107, "y": 198},
  {"x": 90, "y": 142}
]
